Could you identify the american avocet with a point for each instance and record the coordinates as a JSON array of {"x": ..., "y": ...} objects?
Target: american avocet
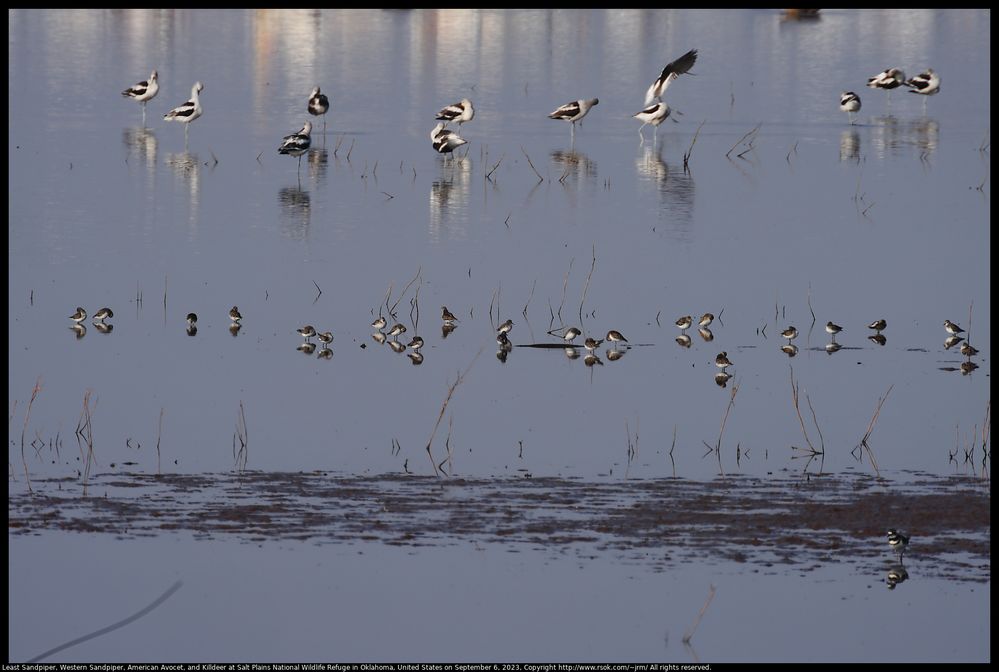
[
  {"x": 925, "y": 83},
  {"x": 297, "y": 144},
  {"x": 446, "y": 141},
  {"x": 143, "y": 92},
  {"x": 189, "y": 111},
  {"x": 460, "y": 112},
  {"x": 890, "y": 79},
  {"x": 669, "y": 73},
  {"x": 574, "y": 111},
  {"x": 654, "y": 114},
  {"x": 849, "y": 102},
  {"x": 319, "y": 104}
]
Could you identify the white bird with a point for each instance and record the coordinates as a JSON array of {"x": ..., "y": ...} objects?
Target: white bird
[
  {"x": 297, "y": 144},
  {"x": 849, "y": 102},
  {"x": 319, "y": 104},
  {"x": 890, "y": 79},
  {"x": 925, "y": 83},
  {"x": 445, "y": 141},
  {"x": 574, "y": 111},
  {"x": 189, "y": 111},
  {"x": 461, "y": 112},
  {"x": 655, "y": 114},
  {"x": 670, "y": 72},
  {"x": 143, "y": 92}
]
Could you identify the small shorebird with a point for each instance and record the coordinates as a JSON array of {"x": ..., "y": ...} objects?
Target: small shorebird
[
  {"x": 319, "y": 104},
  {"x": 968, "y": 350},
  {"x": 574, "y": 111},
  {"x": 416, "y": 343},
  {"x": 234, "y": 315},
  {"x": 447, "y": 315},
  {"x": 397, "y": 329},
  {"x": 616, "y": 337},
  {"x": 706, "y": 319},
  {"x": 670, "y": 72},
  {"x": 890, "y": 79},
  {"x": 297, "y": 144},
  {"x": 79, "y": 316},
  {"x": 849, "y": 102},
  {"x": 877, "y": 325},
  {"x": 187, "y": 112},
  {"x": 325, "y": 337},
  {"x": 192, "y": 319},
  {"x": 898, "y": 541},
  {"x": 952, "y": 328},
  {"x": 379, "y": 323},
  {"x": 307, "y": 332},
  {"x": 833, "y": 329},
  {"x": 506, "y": 327},
  {"x": 570, "y": 334},
  {"x": 592, "y": 344},
  {"x": 684, "y": 322},
  {"x": 143, "y": 92},
  {"x": 461, "y": 112},
  {"x": 654, "y": 114},
  {"x": 722, "y": 361},
  {"x": 790, "y": 334},
  {"x": 103, "y": 314},
  {"x": 925, "y": 83}
]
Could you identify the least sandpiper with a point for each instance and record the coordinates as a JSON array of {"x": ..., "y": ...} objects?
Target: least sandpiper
[
  {"x": 307, "y": 332},
  {"x": 447, "y": 315},
  {"x": 706, "y": 319},
  {"x": 506, "y": 327},
  {"x": 416, "y": 343},
  {"x": 616, "y": 337},
  {"x": 898, "y": 541},
  {"x": 592, "y": 344},
  {"x": 790, "y": 333},
  {"x": 722, "y": 361},
  {"x": 685, "y": 322},
  {"x": 379, "y": 323},
  {"x": 790, "y": 349},
  {"x": 326, "y": 337},
  {"x": 79, "y": 316},
  {"x": 397, "y": 329},
  {"x": 571, "y": 333},
  {"x": 952, "y": 328},
  {"x": 833, "y": 329},
  {"x": 877, "y": 325},
  {"x": 103, "y": 314},
  {"x": 234, "y": 314},
  {"x": 683, "y": 340}
]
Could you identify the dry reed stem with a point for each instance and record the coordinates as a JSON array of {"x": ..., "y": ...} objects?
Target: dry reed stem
[
  {"x": 690, "y": 633},
  {"x": 458, "y": 381},
  {"x": 531, "y": 164},
  {"x": 159, "y": 434},
  {"x": 531, "y": 296},
  {"x": 405, "y": 289},
  {"x": 797, "y": 409},
  {"x": 27, "y": 416},
  {"x": 586, "y": 287},
  {"x": 690, "y": 150},
  {"x": 565, "y": 284},
  {"x": 870, "y": 430}
]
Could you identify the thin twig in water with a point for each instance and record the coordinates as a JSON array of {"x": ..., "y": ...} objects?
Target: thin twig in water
[
  {"x": 27, "y": 416},
  {"x": 159, "y": 433},
  {"x": 458, "y": 381},
  {"x": 418, "y": 272},
  {"x": 531, "y": 296},
  {"x": 797, "y": 409},
  {"x": 690, "y": 150},
  {"x": 565, "y": 283},
  {"x": 697, "y": 621},
  {"x": 493, "y": 169},
  {"x": 870, "y": 430},
  {"x": 531, "y": 164},
  {"x": 586, "y": 287},
  {"x": 809, "y": 299},
  {"x": 751, "y": 132}
]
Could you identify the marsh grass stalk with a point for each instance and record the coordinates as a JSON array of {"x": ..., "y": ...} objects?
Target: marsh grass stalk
[
  {"x": 697, "y": 621},
  {"x": 85, "y": 434},
  {"x": 870, "y": 430},
  {"x": 27, "y": 416},
  {"x": 747, "y": 135},
  {"x": 531, "y": 164},
  {"x": 586, "y": 287},
  {"x": 241, "y": 454},
  {"x": 530, "y": 296},
  {"x": 672, "y": 446},
  {"x": 450, "y": 393},
  {"x": 492, "y": 170},
  {"x": 159, "y": 434},
  {"x": 690, "y": 150},
  {"x": 795, "y": 400},
  {"x": 405, "y": 289}
]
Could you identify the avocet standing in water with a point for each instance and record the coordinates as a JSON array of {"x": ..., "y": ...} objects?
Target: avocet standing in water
[
  {"x": 925, "y": 83},
  {"x": 655, "y": 114},
  {"x": 297, "y": 144},
  {"x": 574, "y": 111},
  {"x": 189, "y": 111},
  {"x": 460, "y": 112},
  {"x": 319, "y": 104},
  {"x": 670, "y": 72},
  {"x": 446, "y": 141},
  {"x": 849, "y": 102},
  {"x": 890, "y": 79},
  {"x": 143, "y": 92}
]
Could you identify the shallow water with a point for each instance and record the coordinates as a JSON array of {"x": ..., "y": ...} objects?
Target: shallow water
[{"x": 885, "y": 219}]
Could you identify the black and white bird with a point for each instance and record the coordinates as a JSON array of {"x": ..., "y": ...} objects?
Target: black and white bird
[
  {"x": 574, "y": 111},
  {"x": 670, "y": 72},
  {"x": 654, "y": 114},
  {"x": 849, "y": 102},
  {"x": 925, "y": 83},
  {"x": 145, "y": 91},
  {"x": 890, "y": 79},
  {"x": 189, "y": 111},
  {"x": 461, "y": 112},
  {"x": 297, "y": 144},
  {"x": 319, "y": 104},
  {"x": 445, "y": 141},
  {"x": 898, "y": 541}
]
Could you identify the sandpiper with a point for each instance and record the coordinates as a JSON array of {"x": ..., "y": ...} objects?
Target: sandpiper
[
  {"x": 416, "y": 343},
  {"x": 570, "y": 334},
  {"x": 897, "y": 541},
  {"x": 722, "y": 361},
  {"x": 79, "y": 316},
  {"x": 103, "y": 314},
  {"x": 447, "y": 315},
  {"x": 877, "y": 325},
  {"x": 592, "y": 344},
  {"x": 192, "y": 319},
  {"x": 397, "y": 329},
  {"x": 968, "y": 350},
  {"x": 833, "y": 328},
  {"x": 379, "y": 323},
  {"x": 234, "y": 314},
  {"x": 506, "y": 327},
  {"x": 685, "y": 322},
  {"x": 325, "y": 337},
  {"x": 616, "y": 337},
  {"x": 952, "y": 328},
  {"x": 706, "y": 319},
  {"x": 790, "y": 334},
  {"x": 307, "y": 332}
]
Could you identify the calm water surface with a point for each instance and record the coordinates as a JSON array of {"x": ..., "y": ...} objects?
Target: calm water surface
[{"x": 806, "y": 216}]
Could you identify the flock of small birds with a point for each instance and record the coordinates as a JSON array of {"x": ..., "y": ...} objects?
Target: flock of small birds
[{"x": 926, "y": 84}]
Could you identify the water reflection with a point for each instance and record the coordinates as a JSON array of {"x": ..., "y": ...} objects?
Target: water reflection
[
  {"x": 891, "y": 136},
  {"x": 683, "y": 340},
  {"x": 877, "y": 338},
  {"x": 325, "y": 353},
  {"x": 80, "y": 330},
  {"x": 446, "y": 329},
  {"x": 674, "y": 187},
  {"x": 896, "y": 575},
  {"x": 103, "y": 328},
  {"x": 449, "y": 196},
  {"x": 849, "y": 145},
  {"x": 306, "y": 348},
  {"x": 141, "y": 142},
  {"x": 722, "y": 378},
  {"x": 296, "y": 212},
  {"x": 187, "y": 167},
  {"x": 575, "y": 168},
  {"x": 318, "y": 164},
  {"x": 234, "y": 329}
]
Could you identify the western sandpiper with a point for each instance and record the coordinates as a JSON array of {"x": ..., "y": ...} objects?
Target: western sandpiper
[
  {"x": 685, "y": 322},
  {"x": 952, "y": 328},
  {"x": 326, "y": 337},
  {"x": 790, "y": 333},
  {"x": 379, "y": 323},
  {"x": 506, "y": 327},
  {"x": 592, "y": 344},
  {"x": 447, "y": 315},
  {"x": 968, "y": 350},
  {"x": 397, "y": 329},
  {"x": 416, "y": 343},
  {"x": 616, "y": 337},
  {"x": 103, "y": 314},
  {"x": 833, "y": 329},
  {"x": 192, "y": 319}
]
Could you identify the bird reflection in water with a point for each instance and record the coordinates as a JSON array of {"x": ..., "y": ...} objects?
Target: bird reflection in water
[
  {"x": 849, "y": 145},
  {"x": 141, "y": 142},
  {"x": 296, "y": 212},
  {"x": 674, "y": 187},
  {"x": 574, "y": 167}
]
